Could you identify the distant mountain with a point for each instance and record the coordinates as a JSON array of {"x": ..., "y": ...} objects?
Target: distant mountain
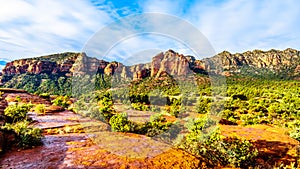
[
  {"x": 56, "y": 69},
  {"x": 65, "y": 64},
  {"x": 275, "y": 63}
]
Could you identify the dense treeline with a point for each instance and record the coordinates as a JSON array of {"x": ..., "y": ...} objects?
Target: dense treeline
[
  {"x": 57, "y": 84},
  {"x": 262, "y": 101},
  {"x": 41, "y": 83}
]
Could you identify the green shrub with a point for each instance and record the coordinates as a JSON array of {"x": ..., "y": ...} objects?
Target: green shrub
[
  {"x": 295, "y": 133},
  {"x": 62, "y": 101},
  {"x": 295, "y": 129},
  {"x": 17, "y": 112},
  {"x": 40, "y": 109},
  {"x": 173, "y": 106},
  {"x": 17, "y": 122},
  {"x": 98, "y": 106},
  {"x": 102, "y": 113},
  {"x": 45, "y": 95},
  {"x": 200, "y": 125},
  {"x": 236, "y": 152},
  {"x": 174, "y": 110},
  {"x": 204, "y": 140},
  {"x": 230, "y": 115},
  {"x": 106, "y": 108},
  {"x": 157, "y": 117},
  {"x": 203, "y": 105},
  {"x": 157, "y": 125},
  {"x": 250, "y": 119},
  {"x": 27, "y": 136},
  {"x": 139, "y": 106},
  {"x": 120, "y": 122},
  {"x": 18, "y": 99}
]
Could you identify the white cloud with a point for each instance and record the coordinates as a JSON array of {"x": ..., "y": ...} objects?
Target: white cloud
[
  {"x": 134, "y": 34},
  {"x": 141, "y": 48},
  {"x": 32, "y": 28},
  {"x": 239, "y": 25},
  {"x": 13, "y": 9}
]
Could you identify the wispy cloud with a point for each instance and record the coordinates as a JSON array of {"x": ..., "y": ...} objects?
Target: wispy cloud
[
  {"x": 32, "y": 28},
  {"x": 239, "y": 25},
  {"x": 138, "y": 33}
]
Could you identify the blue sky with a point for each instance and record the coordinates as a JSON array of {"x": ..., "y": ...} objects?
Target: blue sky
[{"x": 31, "y": 28}]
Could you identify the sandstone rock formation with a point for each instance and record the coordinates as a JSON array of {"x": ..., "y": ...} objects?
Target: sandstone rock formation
[
  {"x": 273, "y": 60},
  {"x": 39, "y": 65},
  {"x": 169, "y": 62},
  {"x": 79, "y": 64}
]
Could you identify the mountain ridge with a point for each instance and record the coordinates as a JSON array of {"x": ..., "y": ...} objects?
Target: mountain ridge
[
  {"x": 276, "y": 61},
  {"x": 66, "y": 64}
]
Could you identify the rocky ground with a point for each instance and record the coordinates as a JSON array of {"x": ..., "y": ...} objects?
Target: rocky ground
[
  {"x": 72, "y": 141},
  {"x": 274, "y": 146}
]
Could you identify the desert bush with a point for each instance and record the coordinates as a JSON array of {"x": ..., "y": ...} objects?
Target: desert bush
[
  {"x": 157, "y": 117},
  {"x": 26, "y": 135},
  {"x": 250, "y": 119},
  {"x": 99, "y": 113},
  {"x": 203, "y": 105},
  {"x": 62, "y": 101},
  {"x": 45, "y": 95},
  {"x": 139, "y": 98},
  {"x": 139, "y": 106},
  {"x": 204, "y": 140},
  {"x": 173, "y": 106},
  {"x": 200, "y": 125},
  {"x": 156, "y": 125},
  {"x": 295, "y": 129},
  {"x": 40, "y": 109},
  {"x": 295, "y": 133},
  {"x": 17, "y": 112},
  {"x": 238, "y": 152},
  {"x": 173, "y": 110},
  {"x": 18, "y": 99},
  {"x": 98, "y": 106},
  {"x": 106, "y": 107},
  {"x": 120, "y": 122},
  {"x": 230, "y": 115},
  {"x": 17, "y": 122}
]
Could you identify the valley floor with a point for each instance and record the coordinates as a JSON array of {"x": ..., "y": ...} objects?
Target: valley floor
[{"x": 73, "y": 141}]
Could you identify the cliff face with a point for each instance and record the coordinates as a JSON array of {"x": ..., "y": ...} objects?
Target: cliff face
[
  {"x": 273, "y": 60},
  {"x": 30, "y": 66},
  {"x": 170, "y": 62},
  {"x": 39, "y": 65},
  {"x": 69, "y": 64}
]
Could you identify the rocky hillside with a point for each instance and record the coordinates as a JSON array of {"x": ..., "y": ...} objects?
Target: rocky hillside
[
  {"x": 66, "y": 64},
  {"x": 51, "y": 64},
  {"x": 285, "y": 63}
]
